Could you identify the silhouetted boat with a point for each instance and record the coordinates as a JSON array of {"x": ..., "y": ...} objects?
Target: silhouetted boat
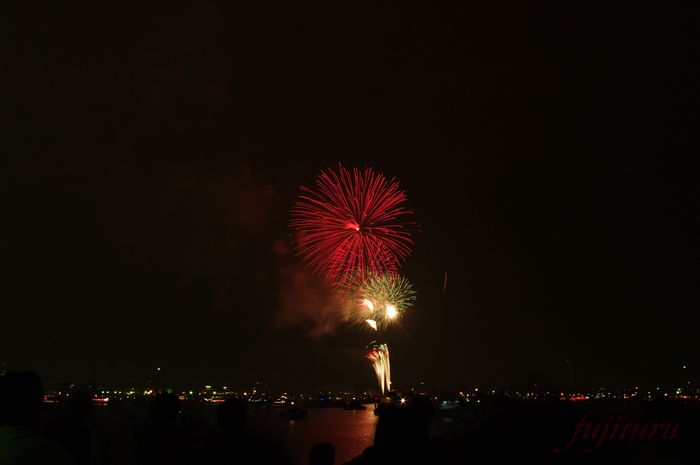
[
  {"x": 354, "y": 405},
  {"x": 294, "y": 413}
]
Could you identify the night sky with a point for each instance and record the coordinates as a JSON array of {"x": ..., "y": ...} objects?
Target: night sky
[{"x": 152, "y": 154}]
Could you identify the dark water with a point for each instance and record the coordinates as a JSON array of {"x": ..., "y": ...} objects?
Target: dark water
[{"x": 349, "y": 431}]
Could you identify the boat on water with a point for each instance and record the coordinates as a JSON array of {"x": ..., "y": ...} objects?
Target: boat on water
[
  {"x": 354, "y": 406},
  {"x": 294, "y": 413}
]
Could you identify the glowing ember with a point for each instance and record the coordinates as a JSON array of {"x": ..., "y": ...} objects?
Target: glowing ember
[{"x": 383, "y": 297}]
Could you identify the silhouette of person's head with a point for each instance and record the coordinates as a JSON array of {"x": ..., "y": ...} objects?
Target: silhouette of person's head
[
  {"x": 231, "y": 415},
  {"x": 164, "y": 409},
  {"x": 422, "y": 412},
  {"x": 21, "y": 397},
  {"x": 393, "y": 428},
  {"x": 322, "y": 453}
]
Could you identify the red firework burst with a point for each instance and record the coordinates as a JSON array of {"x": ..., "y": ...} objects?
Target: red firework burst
[{"x": 353, "y": 222}]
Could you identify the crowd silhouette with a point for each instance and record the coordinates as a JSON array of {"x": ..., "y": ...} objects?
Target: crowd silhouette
[{"x": 515, "y": 432}]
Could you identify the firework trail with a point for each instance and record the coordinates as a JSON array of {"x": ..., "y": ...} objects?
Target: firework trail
[
  {"x": 352, "y": 222},
  {"x": 354, "y": 230},
  {"x": 379, "y": 356}
]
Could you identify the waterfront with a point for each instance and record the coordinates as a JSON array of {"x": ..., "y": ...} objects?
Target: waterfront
[
  {"x": 488, "y": 428},
  {"x": 350, "y": 431}
]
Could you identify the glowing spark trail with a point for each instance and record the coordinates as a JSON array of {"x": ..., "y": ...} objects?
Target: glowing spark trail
[
  {"x": 372, "y": 323},
  {"x": 379, "y": 356}
]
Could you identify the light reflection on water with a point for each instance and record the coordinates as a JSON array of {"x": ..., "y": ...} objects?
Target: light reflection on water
[{"x": 350, "y": 431}]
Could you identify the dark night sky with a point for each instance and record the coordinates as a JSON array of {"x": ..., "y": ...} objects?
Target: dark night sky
[{"x": 153, "y": 153}]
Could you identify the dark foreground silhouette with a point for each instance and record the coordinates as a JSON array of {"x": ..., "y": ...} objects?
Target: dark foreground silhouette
[
  {"x": 512, "y": 432},
  {"x": 21, "y": 399},
  {"x": 71, "y": 430},
  {"x": 322, "y": 454}
]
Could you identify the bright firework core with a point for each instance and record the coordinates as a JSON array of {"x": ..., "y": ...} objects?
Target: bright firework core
[{"x": 391, "y": 312}]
